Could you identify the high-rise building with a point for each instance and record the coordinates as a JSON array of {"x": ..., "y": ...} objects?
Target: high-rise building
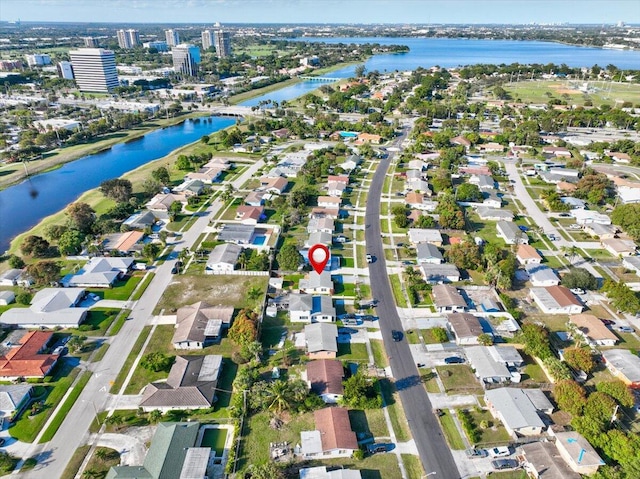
[
  {"x": 65, "y": 70},
  {"x": 128, "y": 38},
  {"x": 207, "y": 39},
  {"x": 94, "y": 69},
  {"x": 222, "y": 41},
  {"x": 161, "y": 46},
  {"x": 91, "y": 42},
  {"x": 38, "y": 59},
  {"x": 185, "y": 59},
  {"x": 173, "y": 39}
]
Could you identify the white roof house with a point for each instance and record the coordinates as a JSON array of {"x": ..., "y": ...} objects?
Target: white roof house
[
  {"x": 623, "y": 364},
  {"x": 577, "y": 452},
  {"x": 440, "y": 273},
  {"x": 618, "y": 246},
  {"x": 316, "y": 283},
  {"x": 419, "y": 235},
  {"x": 628, "y": 194},
  {"x": 508, "y": 355},
  {"x": 320, "y": 472},
  {"x": 223, "y": 258},
  {"x": 99, "y": 273},
  {"x": 50, "y": 307},
  {"x": 541, "y": 275},
  {"x": 321, "y": 340},
  {"x": 7, "y": 297},
  {"x": 517, "y": 412},
  {"x": 632, "y": 263},
  {"x": 486, "y": 368},
  {"x": 585, "y": 217},
  {"x": 556, "y": 300},
  {"x": 493, "y": 214},
  {"x": 307, "y": 308}
]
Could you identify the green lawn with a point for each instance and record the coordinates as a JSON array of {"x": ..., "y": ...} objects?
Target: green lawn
[
  {"x": 65, "y": 408},
  {"x": 27, "y": 428},
  {"x": 413, "y": 466},
  {"x": 397, "y": 291},
  {"x": 396, "y": 413},
  {"x": 451, "y": 431},
  {"x": 76, "y": 461},
  {"x": 97, "y": 322},
  {"x": 459, "y": 379},
  {"x": 121, "y": 289},
  {"x": 101, "y": 466},
  {"x": 352, "y": 352},
  {"x": 507, "y": 475},
  {"x": 495, "y": 433},
  {"x": 137, "y": 347},
  {"x": 143, "y": 286},
  {"x": 379, "y": 353},
  {"x": 160, "y": 341}
]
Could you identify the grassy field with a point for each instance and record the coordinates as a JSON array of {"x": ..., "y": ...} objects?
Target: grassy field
[
  {"x": 397, "y": 290},
  {"x": 600, "y": 93},
  {"x": 396, "y": 413},
  {"x": 76, "y": 461},
  {"x": 98, "y": 318},
  {"x": 137, "y": 347},
  {"x": 99, "y": 466},
  {"x": 454, "y": 439},
  {"x": 352, "y": 352},
  {"x": 459, "y": 379},
  {"x": 65, "y": 408},
  {"x": 413, "y": 466},
  {"x": 224, "y": 290}
]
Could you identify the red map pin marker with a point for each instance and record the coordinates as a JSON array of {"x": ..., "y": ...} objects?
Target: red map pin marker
[{"x": 318, "y": 257}]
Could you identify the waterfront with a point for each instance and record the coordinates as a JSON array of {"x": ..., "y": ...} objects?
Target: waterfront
[{"x": 24, "y": 205}]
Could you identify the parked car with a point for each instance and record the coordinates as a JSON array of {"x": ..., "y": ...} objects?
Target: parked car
[
  {"x": 396, "y": 335},
  {"x": 473, "y": 452},
  {"x": 379, "y": 447},
  {"x": 499, "y": 464},
  {"x": 454, "y": 360},
  {"x": 1, "y": 441},
  {"x": 59, "y": 351},
  {"x": 607, "y": 322},
  {"x": 408, "y": 262},
  {"x": 626, "y": 329},
  {"x": 564, "y": 215},
  {"x": 369, "y": 258},
  {"x": 577, "y": 290},
  {"x": 501, "y": 451}
]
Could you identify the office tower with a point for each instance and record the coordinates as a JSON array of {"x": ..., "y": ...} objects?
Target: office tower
[
  {"x": 207, "y": 39},
  {"x": 160, "y": 46},
  {"x": 65, "y": 70},
  {"x": 128, "y": 38},
  {"x": 185, "y": 59},
  {"x": 38, "y": 59},
  {"x": 94, "y": 69},
  {"x": 91, "y": 42},
  {"x": 172, "y": 37},
  {"x": 222, "y": 42}
]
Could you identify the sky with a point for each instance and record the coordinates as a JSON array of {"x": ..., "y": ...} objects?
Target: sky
[{"x": 323, "y": 11}]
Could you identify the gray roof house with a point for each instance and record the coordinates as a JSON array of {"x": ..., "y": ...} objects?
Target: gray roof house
[
  {"x": 139, "y": 221},
  {"x": 624, "y": 365},
  {"x": 486, "y": 368},
  {"x": 168, "y": 456},
  {"x": 315, "y": 283},
  {"x": 466, "y": 327},
  {"x": 199, "y": 324},
  {"x": 541, "y": 459},
  {"x": 99, "y": 273},
  {"x": 235, "y": 233},
  {"x": 494, "y": 214},
  {"x": 321, "y": 340},
  {"x": 632, "y": 263},
  {"x": 428, "y": 253},
  {"x": 191, "y": 384},
  {"x": 486, "y": 182},
  {"x": 447, "y": 299},
  {"x": 319, "y": 237},
  {"x": 511, "y": 233},
  {"x": 7, "y": 297},
  {"x": 515, "y": 410},
  {"x": 320, "y": 472},
  {"x": 541, "y": 275},
  {"x": 422, "y": 235},
  {"x": 507, "y": 355},
  {"x": 440, "y": 273},
  {"x": 10, "y": 277},
  {"x": 223, "y": 258},
  {"x": 12, "y": 398},
  {"x": 50, "y": 307},
  {"x": 306, "y": 308}
]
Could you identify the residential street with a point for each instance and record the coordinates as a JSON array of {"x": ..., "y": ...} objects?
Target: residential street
[{"x": 434, "y": 451}]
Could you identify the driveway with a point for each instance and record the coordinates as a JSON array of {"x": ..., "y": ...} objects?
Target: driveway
[{"x": 130, "y": 445}]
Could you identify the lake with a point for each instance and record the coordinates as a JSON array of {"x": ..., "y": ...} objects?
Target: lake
[{"x": 23, "y": 205}]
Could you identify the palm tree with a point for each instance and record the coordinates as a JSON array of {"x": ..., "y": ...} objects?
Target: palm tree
[
  {"x": 101, "y": 453},
  {"x": 279, "y": 396},
  {"x": 115, "y": 421},
  {"x": 155, "y": 416}
]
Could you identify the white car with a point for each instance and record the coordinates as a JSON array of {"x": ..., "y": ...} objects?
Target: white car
[
  {"x": 499, "y": 451},
  {"x": 577, "y": 290}
]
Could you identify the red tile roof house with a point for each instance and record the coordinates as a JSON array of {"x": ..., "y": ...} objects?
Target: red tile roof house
[
  {"x": 324, "y": 377},
  {"x": 332, "y": 437},
  {"x": 26, "y": 360}
]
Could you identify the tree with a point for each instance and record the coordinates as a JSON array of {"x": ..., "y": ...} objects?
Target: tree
[
  {"x": 468, "y": 192},
  {"x": 360, "y": 70},
  {"x": 118, "y": 189},
  {"x": 23, "y": 297},
  {"x": 161, "y": 175},
  {"x": 425, "y": 221},
  {"x": 70, "y": 243},
  {"x": 579, "y": 359},
  {"x": 465, "y": 255},
  {"x": 622, "y": 296},
  {"x": 536, "y": 340},
  {"x": 618, "y": 391},
  {"x": 175, "y": 209},
  {"x": 150, "y": 186},
  {"x": 628, "y": 218},
  {"x": 44, "y": 273},
  {"x": 53, "y": 232},
  {"x": 485, "y": 339},
  {"x": 150, "y": 251},
  {"x": 440, "y": 334},
  {"x": 252, "y": 350},
  {"x": 361, "y": 392},
  {"x": 267, "y": 470},
  {"x": 570, "y": 396},
  {"x": 244, "y": 329},
  {"x": 35, "y": 246},
  {"x": 183, "y": 163},
  {"x": 289, "y": 258},
  {"x": 204, "y": 139},
  {"x": 156, "y": 361},
  {"x": 81, "y": 216},
  {"x": 76, "y": 343},
  {"x": 114, "y": 420},
  {"x": 155, "y": 416}
]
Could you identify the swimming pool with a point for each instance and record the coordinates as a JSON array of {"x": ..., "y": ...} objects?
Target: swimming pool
[
  {"x": 215, "y": 438},
  {"x": 348, "y": 134},
  {"x": 259, "y": 240}
]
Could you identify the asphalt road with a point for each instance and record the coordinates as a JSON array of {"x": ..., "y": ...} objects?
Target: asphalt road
[{"x": 432, "y": 446}]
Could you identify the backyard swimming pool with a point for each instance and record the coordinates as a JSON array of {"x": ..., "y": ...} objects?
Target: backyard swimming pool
[{"x": 215, "y": 438}]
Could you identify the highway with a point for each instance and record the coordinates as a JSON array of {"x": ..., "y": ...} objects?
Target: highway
[{"x": 431, "y": 444}]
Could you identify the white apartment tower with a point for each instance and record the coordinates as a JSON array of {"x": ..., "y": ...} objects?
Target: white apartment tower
[
  {"x": 128, "y": 38},
  {"x": 222, "y": 41},
  {"x": 91, "y": 42},
  {"x": 207, "y": 39},
  {"x": 38, "y": 59},
  {"x": 185, "y": 59},
  {"x": 65, "y": 70},
  {"x": 173, "y": 39},
  {"x": 94, "y": 69}
]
